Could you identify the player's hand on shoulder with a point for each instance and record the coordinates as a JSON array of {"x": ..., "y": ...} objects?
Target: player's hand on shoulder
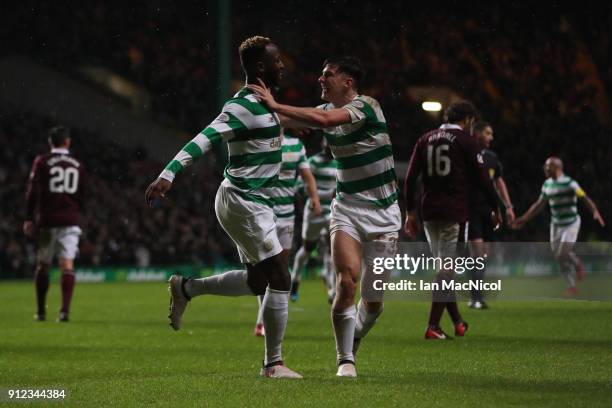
[
  {"x": 156, "y": 191},
  {"x": 28, "y": 229},
  {"x": 263, "y": 94}
]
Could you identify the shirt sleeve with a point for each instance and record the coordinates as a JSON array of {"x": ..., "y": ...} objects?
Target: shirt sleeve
[
  {"x": 303, "y": 160},
  {"x": 499, "y": 169},
  {"x": 359, "y": 111},
  {"x": 543, "y": 192},
  {"x": 223, "y": 128},
  {"x": 577, "y": 189}
]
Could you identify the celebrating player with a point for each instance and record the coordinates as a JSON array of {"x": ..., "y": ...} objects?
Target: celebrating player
[
  {"x": 562, "y": 193},
  {"x": 449, "y": 160},
  {"x": 480, "y": 226},
  {"x": 283, "y": 196},
  {"x": 315, "y": 227},
  {"x": 54, "y": 200},
  {"x": 365, "y": 209},
  {"x": 243, "y": 203}
]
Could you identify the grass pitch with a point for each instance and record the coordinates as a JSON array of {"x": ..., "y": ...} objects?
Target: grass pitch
[{"x": 118, "y": 350}]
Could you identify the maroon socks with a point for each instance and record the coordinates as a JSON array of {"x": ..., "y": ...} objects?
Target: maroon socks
[
  {"x": 41, "y": 281},
  {"x": 67, "y": 283}
]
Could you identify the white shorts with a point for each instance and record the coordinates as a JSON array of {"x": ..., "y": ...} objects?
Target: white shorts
[
  {"x": 364, "y": 222},
  {"x": 564, "y": 233},
  {"x": 284, "y": 231},
  {"x": 313, "y": 225},
  {"x": 251, "y": 225},
  {"x": 60, "y": 241}
]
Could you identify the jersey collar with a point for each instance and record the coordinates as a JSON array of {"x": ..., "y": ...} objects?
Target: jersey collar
[
  {"x": 59, "y": 150},
  {"x": 450, "y": 126}
]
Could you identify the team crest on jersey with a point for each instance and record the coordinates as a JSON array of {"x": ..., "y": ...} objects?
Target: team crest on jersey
[
  {"x": 224, "y": 117},
  {"x": 479, "y": 158},
  {"x": 268, "y": 244},
  {"x": 358, "y": 104}
]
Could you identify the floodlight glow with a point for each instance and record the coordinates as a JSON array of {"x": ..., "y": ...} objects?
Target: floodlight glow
[{"x": 432, "y": 106}]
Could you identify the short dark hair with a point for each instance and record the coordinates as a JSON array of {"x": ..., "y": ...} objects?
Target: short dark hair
[
  {"x": 251, "y": 50},
  {"x": 58, "y": 135},
  {"x": 460, "y": 110},
  {"x": 480, "y": 126},
  {"x": 348, "y": 65}
]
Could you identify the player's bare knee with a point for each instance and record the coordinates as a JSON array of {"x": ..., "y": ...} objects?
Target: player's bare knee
[
  {"x": 346, "y": 286},
  {"x": 345, "y": 296},
  {"x": 276, "y": 272},
  {"x": 256, "y": 281},
  {"x": 66, "y": 264}
]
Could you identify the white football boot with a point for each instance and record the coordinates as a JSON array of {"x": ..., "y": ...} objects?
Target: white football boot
[
  {"x": 278, "y": 371},
  {"x": 178, "y": 300},
  {"x": 347, "y": 370}
]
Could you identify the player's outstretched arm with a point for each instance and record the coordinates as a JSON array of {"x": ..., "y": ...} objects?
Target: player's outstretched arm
[
  {"x": 223, "y": 128},
  {"x": 311, "y": 190},
  {"x": 594, "y": 210},
  {"x": 311, "y": 117},
  {"x": 530, "y": 213}
]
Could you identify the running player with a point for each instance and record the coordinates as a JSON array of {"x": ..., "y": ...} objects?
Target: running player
[
  {"x": 54, "y": 200},
  {"x": 480, "y": 226},
  {"x": 283, "y": 195},
  {"x": 365, "y": 209},
  {"x": 315, "y": 227},
  {"x": 243, "y": 203},
  {"x": 449, "y": 160},
  {"x": 561, "y": 192}
]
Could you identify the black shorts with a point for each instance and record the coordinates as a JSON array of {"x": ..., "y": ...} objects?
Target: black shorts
[{"x": 480, "y": 226}]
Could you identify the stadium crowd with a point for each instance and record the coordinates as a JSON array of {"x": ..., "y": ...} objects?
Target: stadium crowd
[{"x": 541, "y": 79}]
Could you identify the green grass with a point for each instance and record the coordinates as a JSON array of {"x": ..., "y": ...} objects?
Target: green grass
[{"x": 119, "y": 350}]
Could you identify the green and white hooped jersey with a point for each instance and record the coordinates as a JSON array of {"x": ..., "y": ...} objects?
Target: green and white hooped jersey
[
  {"x": 253, "y": 139},
  {"x": 324, "y": 171},
  {"x": 294, "y": 159},
  {"x": 562, "y": 195},
  {"x": 363, "y": 154}
]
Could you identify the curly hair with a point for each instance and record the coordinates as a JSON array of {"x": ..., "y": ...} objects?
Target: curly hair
[{"x": 251, "y": 51}]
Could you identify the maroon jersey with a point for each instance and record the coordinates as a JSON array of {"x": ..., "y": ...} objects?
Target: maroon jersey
[
  {"x": 449, "y": 160},
  {"x": 54, "y": 196}
]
